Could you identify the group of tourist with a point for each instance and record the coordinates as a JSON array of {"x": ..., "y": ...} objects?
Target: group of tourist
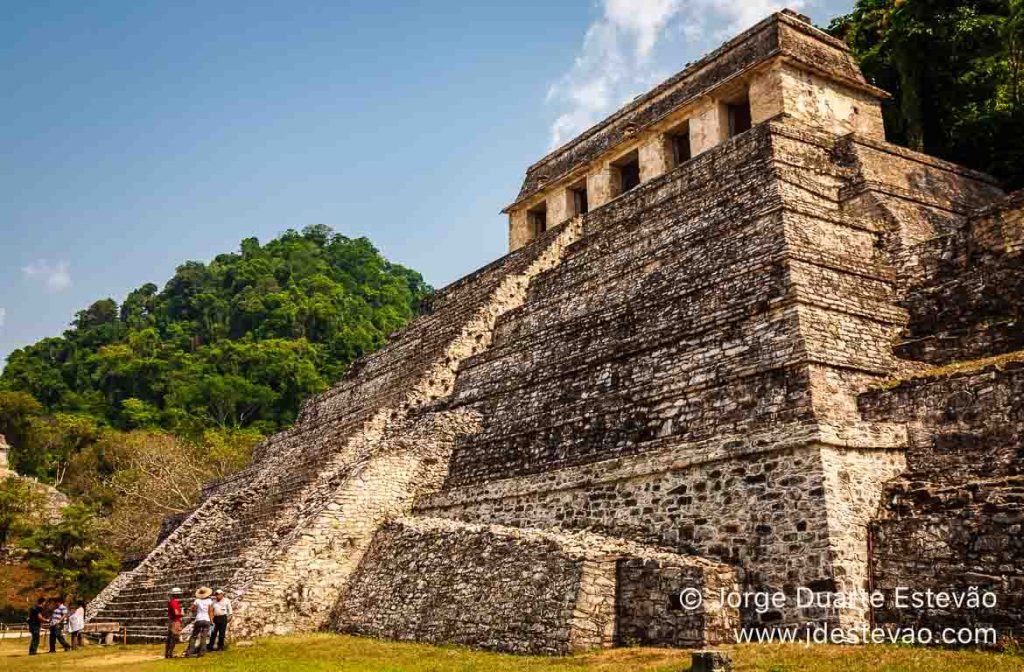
[
  {"x": 55, "y": 615},
  {"x": 211, "y": 610}
]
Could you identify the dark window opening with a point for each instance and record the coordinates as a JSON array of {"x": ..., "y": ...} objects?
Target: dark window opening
[
  {"x": 739, "y": 117},
  {"x": 675, "y": 601},
  {"x": 680, "y": 145},
  {"x": 538, "y": 219},
  {"x": 579, "y": 200},
  {"x": 628, "y": 168}
]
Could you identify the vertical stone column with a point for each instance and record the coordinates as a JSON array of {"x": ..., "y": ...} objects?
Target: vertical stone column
[
  {"x": 518, "y": 229},
  {"x": 709, "y": 126},
  {"x": 655, "y": 157},
  {"x": 560, "y": 207},
  {"x": 601, "y": 186},
  {"x": 766, "y": 95}
]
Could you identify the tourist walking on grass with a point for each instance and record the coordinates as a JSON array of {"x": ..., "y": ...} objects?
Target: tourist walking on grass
[
  {"x": 57, "y": 620},
  {"x": 221, "y": 616},
  {"x": 202, "y": 608},
  {"x": 174, "y": 616},
  {"x": 76, "y": 624},
  {"x": 36, "y": 618}
]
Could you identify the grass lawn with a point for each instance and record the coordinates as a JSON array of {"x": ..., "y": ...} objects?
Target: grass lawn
[{"x": 351, "y": 654}]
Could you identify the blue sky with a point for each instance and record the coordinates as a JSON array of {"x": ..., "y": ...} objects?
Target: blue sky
[{"x": 137, "y": 135}]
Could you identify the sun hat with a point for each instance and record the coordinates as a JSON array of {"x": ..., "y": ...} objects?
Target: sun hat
[
  {"x": 175, "y": 591},
  {"x": 203, "y": 592}
]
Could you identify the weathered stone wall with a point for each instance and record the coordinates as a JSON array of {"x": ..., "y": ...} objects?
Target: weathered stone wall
[
  {"x": 527, "y": 591},
  {"x": 965, "y": 290},
  {"x": 688, "y": 375},
  {"x": 954, "y": 520}
]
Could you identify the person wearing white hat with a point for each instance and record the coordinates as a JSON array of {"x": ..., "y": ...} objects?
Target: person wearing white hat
[
  {"x": 203, "y": 610},
  {"x": 174, "y": 616}
]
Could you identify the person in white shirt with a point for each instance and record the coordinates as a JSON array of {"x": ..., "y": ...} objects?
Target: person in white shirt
[
  {"x": 76, "y": 625},
  {"x": 202, "y": 608},
  {"x": 221, "y": 616}
]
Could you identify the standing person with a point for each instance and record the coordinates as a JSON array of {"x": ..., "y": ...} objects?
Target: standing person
[
  {"x": 36, "y": 618},
  {"x": 76, "y": 625},
  {"x": 203, "y": 610},
  {"x": 221, "y": 616},
  {"x": 57, "y": 619},
  {"x": 174, "y": 615}
]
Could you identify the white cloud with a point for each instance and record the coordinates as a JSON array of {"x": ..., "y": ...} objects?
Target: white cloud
[
  {"x": 54, "y": 277},
  {"x": 3, "y": 318},
  {"x": 637, "y": 43}
]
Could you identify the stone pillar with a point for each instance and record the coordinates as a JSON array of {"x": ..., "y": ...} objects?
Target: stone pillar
[
  {"x": 655, "y": 158},
  {"x": 519, "y": 232},
  {"x": 560, "y": 207},
  {"x": 765, "y": 94},
  {"x": 601, "y": 186},
  {"x": 709, "y": 126}
]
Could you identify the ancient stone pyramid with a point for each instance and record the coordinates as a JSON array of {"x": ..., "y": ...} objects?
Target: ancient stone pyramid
[{"x": 655, "y": 390}]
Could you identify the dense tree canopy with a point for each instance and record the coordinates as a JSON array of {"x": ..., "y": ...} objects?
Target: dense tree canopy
[
  {"x": 956, "y": 71},
  {"x": 238, "y": 342}
]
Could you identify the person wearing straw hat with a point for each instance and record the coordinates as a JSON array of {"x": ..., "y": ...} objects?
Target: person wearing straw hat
[
  {"x": 202, "y": 608},
  {"x": 174, "y": 616}
]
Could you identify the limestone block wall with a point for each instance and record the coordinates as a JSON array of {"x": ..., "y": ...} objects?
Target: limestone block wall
[
  {"x": 688, "y": 375},
  {"x": 527, "y": 591},
  {"x": 287, "y": 531},
  {"x": 965, "y": 296},
  {"x": 954, "y": 520}
]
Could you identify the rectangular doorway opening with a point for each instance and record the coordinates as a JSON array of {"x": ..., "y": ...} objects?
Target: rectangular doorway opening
[
  {"x": 739, "y": 116},
  {"x": 537, "y": 216},
  {"x": 679, "y": 144},
  {"x": 627, "y": 172},
  {"x": 578, "y": 191}
]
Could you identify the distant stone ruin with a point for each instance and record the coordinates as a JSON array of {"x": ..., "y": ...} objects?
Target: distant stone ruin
[
  {"x": 52, "y": 498},
  {"x": 739, "y": 342}
]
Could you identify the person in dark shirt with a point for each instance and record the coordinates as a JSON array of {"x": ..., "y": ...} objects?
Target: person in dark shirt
[{"x": 36, "y": 618}]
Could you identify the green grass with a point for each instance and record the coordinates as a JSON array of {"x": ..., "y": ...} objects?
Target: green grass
[{"x": 336, "y": 653}]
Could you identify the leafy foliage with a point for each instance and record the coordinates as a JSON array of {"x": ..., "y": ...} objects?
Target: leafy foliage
[
  {"x": 136, "y": 478},
  {"x": 239, "y": 342},
  {"x": 955, "y": 69},
  {"x": 19, "y": 507},
  {"x": 69, "y": 555}
]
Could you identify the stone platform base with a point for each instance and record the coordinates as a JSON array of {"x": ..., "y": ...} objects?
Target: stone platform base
[{"x": 528, "y": 591}]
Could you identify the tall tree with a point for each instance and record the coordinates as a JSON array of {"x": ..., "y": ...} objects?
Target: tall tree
[
  {"x": 954, "y": 69},
  {"x": 238, "y": 342}
]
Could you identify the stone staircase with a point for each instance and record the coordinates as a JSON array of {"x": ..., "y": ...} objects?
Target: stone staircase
[{"x": 285, "y": 533}]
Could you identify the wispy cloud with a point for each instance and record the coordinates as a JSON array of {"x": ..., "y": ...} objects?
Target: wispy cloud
[
  {"x": 637, "y": 43},
  {"x": 55, "y": 277},
  {"x": 3, "y": 319}
]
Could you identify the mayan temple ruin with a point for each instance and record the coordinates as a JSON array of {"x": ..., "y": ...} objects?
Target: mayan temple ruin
[{"x": 738, "y": 340}]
